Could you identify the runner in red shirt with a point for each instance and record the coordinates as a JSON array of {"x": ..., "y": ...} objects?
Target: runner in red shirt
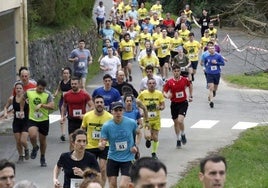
[{"x": 175, "y": 90}]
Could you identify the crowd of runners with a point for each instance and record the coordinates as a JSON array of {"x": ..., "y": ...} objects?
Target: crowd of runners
[{"x": 105, "y": 127}]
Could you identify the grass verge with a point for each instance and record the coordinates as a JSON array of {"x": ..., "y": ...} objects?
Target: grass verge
[
  {"x": 247, "y": 162},
  {"x": 254, "y": 81}
]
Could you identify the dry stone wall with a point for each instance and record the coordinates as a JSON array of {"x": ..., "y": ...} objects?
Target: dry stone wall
[{"x": 47, "y": 56}]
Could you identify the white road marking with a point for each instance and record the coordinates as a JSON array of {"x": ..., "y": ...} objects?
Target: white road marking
[
  {"x": 205, "y": 124},
  {"x": 244, "y": 125},
  {"x": 166, "y": 122},
  {"x": 53, "y": 118}
]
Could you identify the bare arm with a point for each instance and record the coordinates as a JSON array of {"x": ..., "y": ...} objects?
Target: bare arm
[{"x": 56, "y": 173}]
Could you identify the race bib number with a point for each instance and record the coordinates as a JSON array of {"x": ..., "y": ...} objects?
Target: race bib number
[
  {"x": 151, "y": 114},
  {"x": 19, "y": 114},
  {"x": 213, "y": 68},
  {"x": 81, "y": 64},
  {"x": 179, "y": 94},
  {"x": 75, "y": 183},
  {"x": 77, "y": 113},
  {"x": 38, "y": 115},
  {"x": 191, "y": 56},
  {"x": 183, "y": 69},
  {"x": 164, "y": 51},
  {"x": 121, "y": 146},
  {"x": 205, "y": 23},
  {"x": 96, "y": 135},
  {"x": 127, "y": 49}
]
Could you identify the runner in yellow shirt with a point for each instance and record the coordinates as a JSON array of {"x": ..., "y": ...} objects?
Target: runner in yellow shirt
[
  {"x": 175, "y": 42},
  {"x": 157, "y": 7},
  {"x": 143, "y": 12},
  {"x": 155, "y": 102},
  {"x": 148, "y": 59},
  {"x": 205, "y": 39},
  {"x": 127, "y": 49},
  {"x": 193, "y": 48},
  {"x": 92, "y": 124},
  {"x": 162, "y": 45},
  {"x": 184, "y": 33},
  {"x": 145, "y": 35}
]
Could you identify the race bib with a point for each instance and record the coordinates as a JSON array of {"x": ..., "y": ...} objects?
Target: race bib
[
  {"x": 164, "y": 51},
  {"x": 127, "y": 49},
  {"x": 179, "y": 94},
  {"x": 121, "y": 146},
  {"x": 151, "y": 114},
  {"x": 107, "y": 108},
  {"x": 213, "y": 68},
  {"x": 77, "y": 113},
  {"x": 183, "y": 69},
  {"x": 96, "y": 135},
  {"x": 38, "y": 115},
  {"x": 81, "y": 64},
  {"x": 19, "y": 114},
  {"x": 75, "y": 183}
]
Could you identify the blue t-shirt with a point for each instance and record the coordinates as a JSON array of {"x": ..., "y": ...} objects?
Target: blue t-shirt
[
  {"x": 121, "y": 138},
  {"x": 109, "y": 96},
  {"x": 134, "y": 114},
  {"x": 81, "y": 66},
  {"x": 211, "y": 68}
]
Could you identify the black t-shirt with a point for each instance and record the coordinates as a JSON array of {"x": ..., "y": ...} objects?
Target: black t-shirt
[{"x": 67, "y": 163}]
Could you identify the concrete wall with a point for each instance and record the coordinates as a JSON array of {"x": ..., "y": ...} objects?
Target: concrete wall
[{"x": 49, "y": 55}]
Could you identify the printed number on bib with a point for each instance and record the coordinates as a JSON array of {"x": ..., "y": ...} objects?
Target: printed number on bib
[
  {"x": 127, "y": 49},
  {"x": 121, "y": 146},
  {"x": 75, "y": 183},
  {"x": 38, "y": 114},
  {"x": 19, "y": 114},
  {"x": 179, "y": 94},
  {"x": 96, "y": 134},
  {"x": 151, "y": 114},
  {"x": 81, "y": 64},
  {"x": 213, "y": 68},
  {"x": 77, "y": 113}
]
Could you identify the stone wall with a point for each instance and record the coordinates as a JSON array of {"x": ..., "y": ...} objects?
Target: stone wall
[{"x": 47, "y": 56}]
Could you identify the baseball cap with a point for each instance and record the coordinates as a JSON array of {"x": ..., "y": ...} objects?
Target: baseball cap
[
  {"x": 160, "y": 19},
  {"x": 117, "y": 105},
  {"x": 147, "y": 18}
]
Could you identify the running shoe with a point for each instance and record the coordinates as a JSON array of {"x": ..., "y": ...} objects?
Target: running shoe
[
  {"x": 43, "y": 162},
  {"x": 26, "y": 154},
  {"x": 20, "y": 160},
  {"x": 34, "y": 152},
  {"x": 148, "y": 143},
  {"x": 211, "y": 104},
  {"x": 154, "y": 156},
  {"x": 62, "y": 138},
  {"x": 178, "y": 145},
  {"x": 130, "y": 78},
  {"x": 183, "y": 139}
]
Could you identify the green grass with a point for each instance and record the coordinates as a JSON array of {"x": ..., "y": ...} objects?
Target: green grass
[
  {"x": 257, "y": 81},
  {"x": 247, "y": 162}
]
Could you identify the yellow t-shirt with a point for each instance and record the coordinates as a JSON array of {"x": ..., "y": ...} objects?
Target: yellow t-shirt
[
  {"x": 146, "y": 60},
  {"x": 156, "y": 36},
  {"x": 93, "y": 125},
  {"x": 163, "y": 46},
  {"x": 151, "y": 100},
  {"x": 142, "y": 38},
  {"x": 154, "y": 22},
  {"x": 127, "y": 49},
  {"x": 143, "y": 12},
  {"x": 189, "y": 15},
  {"x": 193, "y": 49},
  {"x": 117, "y": 31},
  {"x": 127, "y": 8},
  {"x": 176, "y": 42},
  {"x": 212, "y": 32},
  {"x": 204, "y": 41},
  {"x": 158, "y": 9},
  {"x": 121, "y": 8},
  {"x": 184, "y": 35}
]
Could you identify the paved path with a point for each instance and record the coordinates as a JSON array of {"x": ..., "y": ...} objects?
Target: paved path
[{"x": 207, "y": 129}]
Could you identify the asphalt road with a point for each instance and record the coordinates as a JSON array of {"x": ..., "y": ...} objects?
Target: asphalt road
[{"x": 207, "y": 129}]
